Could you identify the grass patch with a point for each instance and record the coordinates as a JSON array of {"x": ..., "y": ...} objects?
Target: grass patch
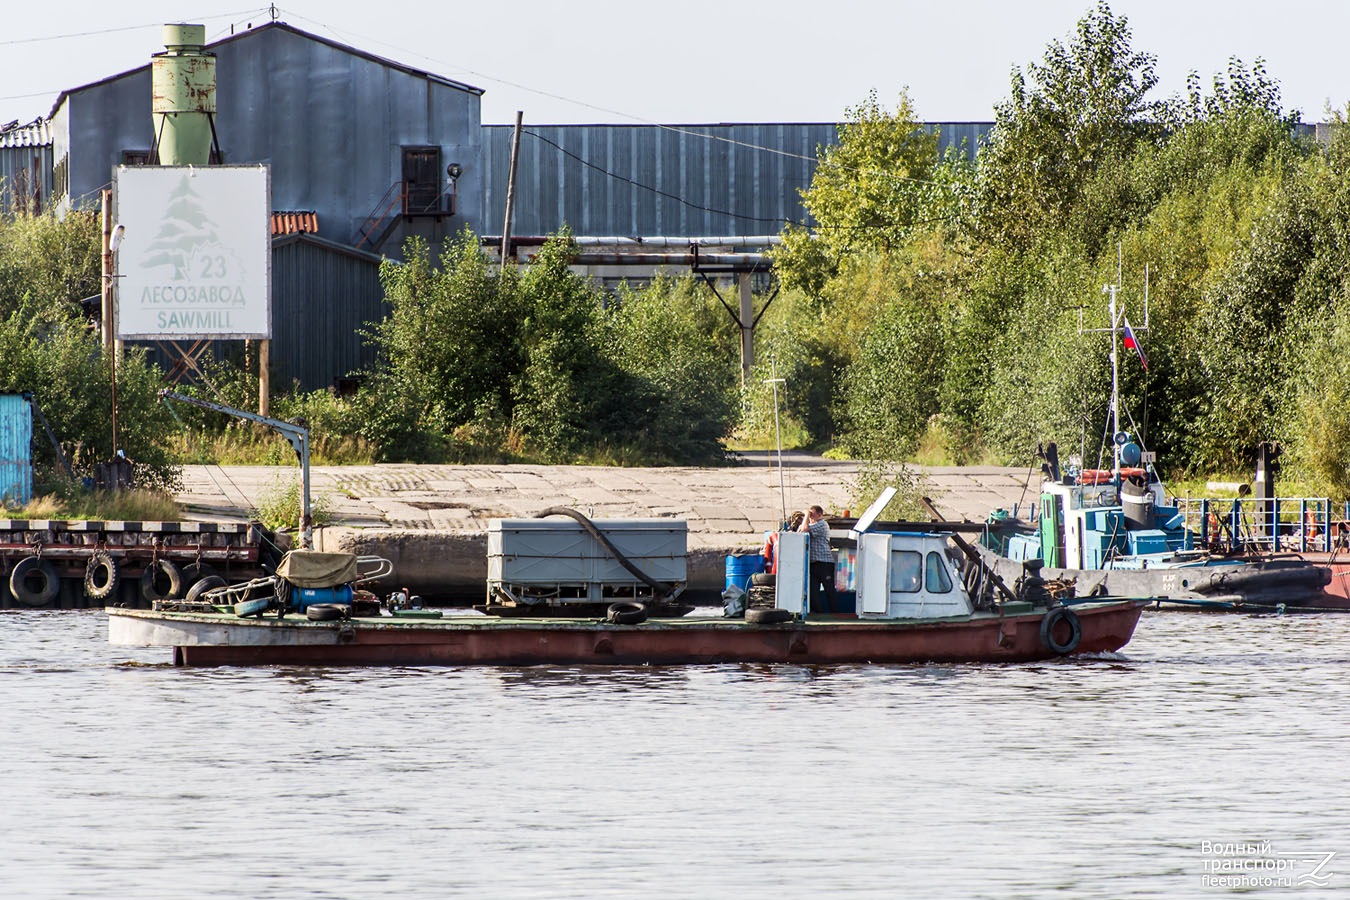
[
  {"x": 126, "y": 506},
  {"x": 251, "y": 445},
  {"x": 279, "y": 505}
]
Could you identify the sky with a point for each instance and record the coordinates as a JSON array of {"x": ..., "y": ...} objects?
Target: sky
[{"x": 704, "y": 61}]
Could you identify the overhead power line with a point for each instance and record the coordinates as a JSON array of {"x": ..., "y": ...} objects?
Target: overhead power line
[{"x": 102, "y": 31}]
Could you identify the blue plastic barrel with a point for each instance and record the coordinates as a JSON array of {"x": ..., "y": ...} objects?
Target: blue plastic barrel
[
  {"x": 304, "y": 598},
  {"x": 741, "y": 566}
]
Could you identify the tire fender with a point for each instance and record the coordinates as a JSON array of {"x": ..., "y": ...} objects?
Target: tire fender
[
  {"x": 774, "y": 616},
  {"x": 247, "y": 608},
  {"x": 209, "y": 583},
  {"x": 32, "y": 567},
  {"x": 161, "y": 573},
  {"x": 325, "y": 612},
  {"x": 195, "y": 572},
  {"x": 101, "y": 576},
  {"x": 1051, "y": 621}
]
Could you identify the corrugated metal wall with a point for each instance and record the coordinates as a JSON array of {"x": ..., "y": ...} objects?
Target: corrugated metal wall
[
  {"x": 322, "y": 296},
  {"x": 26, "y": 167},
  {"x": 16, "y": 449},
  {"x": 679, "y": 180}
]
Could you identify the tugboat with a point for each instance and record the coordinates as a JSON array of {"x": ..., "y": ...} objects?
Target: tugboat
[{"x": 1113, "y": 531}]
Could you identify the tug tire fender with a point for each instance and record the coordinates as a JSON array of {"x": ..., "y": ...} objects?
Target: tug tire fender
[
  {"x": 209, "y": 583},
  {"x": 1051, "y": 621},
  {"x": 195, "y": 572},
  {"x": 774, "y": 616},
  {"x": 248, "y": 608},
  {"x": 325, "y": 612}
]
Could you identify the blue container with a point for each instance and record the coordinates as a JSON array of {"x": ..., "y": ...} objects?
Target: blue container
[
  {"x": 303, "y": 598},
  {"x": 16, "y": 454},
  {"x": 741, "y": 566}
]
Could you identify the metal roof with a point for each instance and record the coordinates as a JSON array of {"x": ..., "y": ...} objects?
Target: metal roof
[
  {"x": 282, "y": 26},
  {"x": 37, "y": 133}
]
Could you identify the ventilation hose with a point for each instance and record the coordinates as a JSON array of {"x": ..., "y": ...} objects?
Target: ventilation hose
[{"x": 664, "y": 589}]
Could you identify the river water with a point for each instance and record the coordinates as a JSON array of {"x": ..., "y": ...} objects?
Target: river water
[{"x": 1213, "y": 747}]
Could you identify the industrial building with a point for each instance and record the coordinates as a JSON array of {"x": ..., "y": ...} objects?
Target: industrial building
[{"x": 365, "y": 152}]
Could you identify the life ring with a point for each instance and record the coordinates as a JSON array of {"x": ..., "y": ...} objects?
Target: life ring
[
  {"x": 1051, "y": 622},
  {"x": 101, "y": 576},
  {"x": 209, "y": 583},
  {"x": 773, "y": 616},
  {"x": 32, "y": 568},
  {"x": 626, "y": 612},
  {"x": 161, "y": 580}
]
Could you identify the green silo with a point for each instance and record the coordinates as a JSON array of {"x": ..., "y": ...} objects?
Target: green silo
[{"x": 183, "y": 96}]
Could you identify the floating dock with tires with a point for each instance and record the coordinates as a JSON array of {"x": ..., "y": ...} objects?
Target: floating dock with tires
[{"x": 77, "y": 564}]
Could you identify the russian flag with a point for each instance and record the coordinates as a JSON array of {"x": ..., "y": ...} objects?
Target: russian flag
[{"x": 1132, "y": 344}]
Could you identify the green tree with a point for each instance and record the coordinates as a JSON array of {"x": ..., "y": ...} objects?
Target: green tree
[
  {"x": 451, "y": 346},
  {"x": 48, "y": 347},
  {"x": 682, "y": 386},
  {"x": 870, "y": 191},
  {"x": 47, "y": 262},
  {"x": 1080, "y": 112}
]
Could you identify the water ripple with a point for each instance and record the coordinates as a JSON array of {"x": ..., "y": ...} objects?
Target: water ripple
[{"x": 127, "y": 777}]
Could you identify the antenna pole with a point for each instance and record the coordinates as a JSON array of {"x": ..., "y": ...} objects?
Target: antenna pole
[
  {"x": 1115, "y": 379},
  {"x": 778, "y": 438}
]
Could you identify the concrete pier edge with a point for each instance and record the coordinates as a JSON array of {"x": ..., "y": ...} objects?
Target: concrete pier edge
[{"x": 431, "y": 520}]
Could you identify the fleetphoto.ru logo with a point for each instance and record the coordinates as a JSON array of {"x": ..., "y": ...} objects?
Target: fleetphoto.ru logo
[{"x": 1243, "y": 865}]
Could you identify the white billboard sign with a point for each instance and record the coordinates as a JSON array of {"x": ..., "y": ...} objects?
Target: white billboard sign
[{"x": 195, "y": 253}]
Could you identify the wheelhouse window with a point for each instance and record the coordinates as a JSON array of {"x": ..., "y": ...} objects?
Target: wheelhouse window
[
  {"x": 906, "y": 571},
  {"x": 936, "y": 577}
]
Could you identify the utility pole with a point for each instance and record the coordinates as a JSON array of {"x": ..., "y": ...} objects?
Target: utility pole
[
  {"x": 511, "y": 188},
  {"x": 747, "y": 323},
  {"x": 264, "y": 377},
  {"x": 106, "y": 332},
  {"x": 109, "y": 330}
]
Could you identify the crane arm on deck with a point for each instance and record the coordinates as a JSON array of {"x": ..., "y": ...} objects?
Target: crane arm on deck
[{"x": 297, "y": 435}]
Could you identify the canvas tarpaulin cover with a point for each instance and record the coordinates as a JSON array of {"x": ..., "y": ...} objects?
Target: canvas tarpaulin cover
[{"x": 312, "y": 569}]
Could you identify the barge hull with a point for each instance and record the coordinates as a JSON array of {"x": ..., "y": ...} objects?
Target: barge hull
[{"x": 206, "y": 640}]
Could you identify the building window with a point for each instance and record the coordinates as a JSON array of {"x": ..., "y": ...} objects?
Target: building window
[
  {"x": 135, "y": 157},
  {"x": 422, "y": 181},
  {"x": 61, "y": 179}
]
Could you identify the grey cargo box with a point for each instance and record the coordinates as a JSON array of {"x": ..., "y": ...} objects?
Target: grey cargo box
[{"x": 556, "y": 560}]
